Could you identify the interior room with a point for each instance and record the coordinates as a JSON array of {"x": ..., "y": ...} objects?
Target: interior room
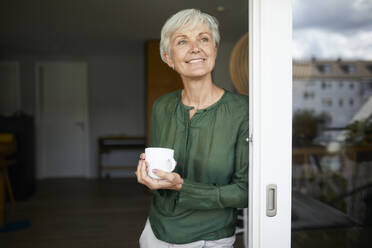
[
  {"x": 81, "y": 79},
  {"x": 77, "y": 84}
]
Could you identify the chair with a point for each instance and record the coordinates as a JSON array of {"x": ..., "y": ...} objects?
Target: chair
[{"x": 8, "y": 148}]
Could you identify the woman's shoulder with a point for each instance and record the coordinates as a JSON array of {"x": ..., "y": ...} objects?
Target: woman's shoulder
[
  {"x": 236, "y": 98},
  {"x": 167, "y": 100},
  {"x": 237, "y": 102}
]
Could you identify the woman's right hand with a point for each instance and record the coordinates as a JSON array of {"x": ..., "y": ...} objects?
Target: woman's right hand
[
  {"x": 141, "y": 166},
  {"x": 171, "y": 180}
]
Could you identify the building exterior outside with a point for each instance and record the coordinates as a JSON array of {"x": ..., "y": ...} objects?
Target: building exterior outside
[{"x": 336, "y": 88}]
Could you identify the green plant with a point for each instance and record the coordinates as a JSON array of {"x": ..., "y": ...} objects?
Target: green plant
[
  {"x": 360, "y": 132},
  {"x": 307, "y": 125}
]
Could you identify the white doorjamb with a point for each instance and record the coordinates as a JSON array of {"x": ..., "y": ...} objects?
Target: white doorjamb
[{"x": 270, "y": 82}]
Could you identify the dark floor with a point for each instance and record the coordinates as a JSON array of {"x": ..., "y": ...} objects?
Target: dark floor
[
  {"x": 355, "y": 237},
  {"x": 81, "y": 213},
  {"x": 111, "y": 213}
]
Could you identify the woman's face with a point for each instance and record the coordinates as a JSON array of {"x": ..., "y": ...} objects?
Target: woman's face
[{"x": 192, "y": 51}]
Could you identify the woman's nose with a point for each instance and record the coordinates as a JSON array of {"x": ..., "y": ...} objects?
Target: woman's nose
[{"x": 195, "y": 47}]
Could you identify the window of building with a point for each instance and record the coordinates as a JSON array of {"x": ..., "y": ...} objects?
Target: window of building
[
  {"x": 327, "y": 102},
  {"x": 324, "y": 85},
  {"x": 324, "y": 68},
  {"x": 341, "y": 102},
  {"x": 348, "y": 68},
  {"x": 341, "y": 84},
  {"x": 308, "y": 95},
  {"x": 369, "y": 67},
  {"x": 351, "y": 85},
  {"x": 351, "y": 102}
]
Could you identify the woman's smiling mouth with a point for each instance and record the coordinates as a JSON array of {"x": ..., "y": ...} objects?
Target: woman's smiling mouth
[{"x": 193, "y": 61}]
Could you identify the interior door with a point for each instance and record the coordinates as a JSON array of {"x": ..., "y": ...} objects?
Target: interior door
[
  {"x": 160, "y": 78},
  {"x": 62, "y": 108},
  {"x": 270, "y": 79}
]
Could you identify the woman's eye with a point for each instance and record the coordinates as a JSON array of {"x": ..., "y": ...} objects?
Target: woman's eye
[
  {"x": 204, "y": 39},
  {"x": 181, "y": 42}
]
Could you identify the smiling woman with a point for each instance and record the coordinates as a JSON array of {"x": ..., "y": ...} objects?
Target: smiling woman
[
  {"x": 207, "y": 127},
  {"x": 198, "y": 62}
]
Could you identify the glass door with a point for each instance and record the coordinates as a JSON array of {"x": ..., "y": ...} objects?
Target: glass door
[{"x": 332, "y": 124}]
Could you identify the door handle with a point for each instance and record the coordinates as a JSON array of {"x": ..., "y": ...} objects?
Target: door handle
[
  {"x": 80, "y": 124},
  {"x": 271, "y": 200}
]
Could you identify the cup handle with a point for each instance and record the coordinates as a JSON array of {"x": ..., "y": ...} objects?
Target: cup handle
[{"x": 172, "y": 163}]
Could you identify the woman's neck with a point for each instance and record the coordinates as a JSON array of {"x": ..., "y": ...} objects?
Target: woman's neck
[{"x": 200, "y": 93}]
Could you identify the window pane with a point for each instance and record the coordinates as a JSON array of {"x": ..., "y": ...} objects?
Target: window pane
[{"x": 332, "y": 123}]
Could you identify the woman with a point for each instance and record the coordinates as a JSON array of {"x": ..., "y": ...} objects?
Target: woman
[{"x": 195, "y": 206}]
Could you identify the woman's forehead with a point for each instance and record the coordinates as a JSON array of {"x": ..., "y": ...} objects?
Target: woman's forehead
[{"x": 192, "y": 29}]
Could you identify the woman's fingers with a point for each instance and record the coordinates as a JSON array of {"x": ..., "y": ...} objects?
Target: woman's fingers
[
  {"x": 138, "y": 171},
  {"x": 167, "y": 181},
  {"x": 164, "y": 175},
  {"x": 143, "y": 169},
  {"x": 171, "y": 177},
  {"x": 146, "y": 179},
  {"x": 140, "y": 165},
  {"x": 153, "y": 183}
]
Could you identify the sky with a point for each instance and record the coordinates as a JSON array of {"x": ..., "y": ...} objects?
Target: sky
[{"x": 331, "y": 29}]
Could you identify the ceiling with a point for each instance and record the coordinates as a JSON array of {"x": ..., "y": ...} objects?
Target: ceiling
[{"x": 102, "y": 25}]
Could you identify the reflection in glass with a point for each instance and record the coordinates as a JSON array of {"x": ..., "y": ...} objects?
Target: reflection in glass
[
  {"x": 332, "y": 150},
  {"x": 332, "y": 132}
]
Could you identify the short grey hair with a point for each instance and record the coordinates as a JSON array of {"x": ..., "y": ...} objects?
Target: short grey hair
[{"x": 189, "y": 18}]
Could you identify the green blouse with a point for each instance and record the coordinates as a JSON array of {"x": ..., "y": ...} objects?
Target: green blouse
[{"x": 211, "y": 151}]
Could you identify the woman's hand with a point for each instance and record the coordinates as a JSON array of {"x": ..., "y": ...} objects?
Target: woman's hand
[{"x": 169, "y": 180}]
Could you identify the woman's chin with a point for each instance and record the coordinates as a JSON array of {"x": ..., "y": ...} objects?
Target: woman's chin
[{"x": 196, "y": 74}]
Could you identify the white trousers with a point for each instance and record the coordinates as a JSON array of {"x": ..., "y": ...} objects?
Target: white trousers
[{"x": 148, "y": 240}]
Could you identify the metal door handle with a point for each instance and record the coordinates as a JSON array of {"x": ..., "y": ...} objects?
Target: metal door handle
[
  {"x": 80, "y": 124},
  {"x": 271, "y": 200}
]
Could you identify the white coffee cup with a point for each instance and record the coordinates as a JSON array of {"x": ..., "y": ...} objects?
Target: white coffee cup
[{"x": 161, "y": 159}]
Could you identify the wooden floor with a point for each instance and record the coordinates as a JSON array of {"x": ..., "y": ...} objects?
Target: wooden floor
[{"x": 81, "y": 213}]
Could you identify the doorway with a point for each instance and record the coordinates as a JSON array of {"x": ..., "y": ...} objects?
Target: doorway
[{"x": 62, "y": 119}]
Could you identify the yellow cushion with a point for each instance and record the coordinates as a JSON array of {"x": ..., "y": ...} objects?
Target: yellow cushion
[{"x": 6, "y": 138}]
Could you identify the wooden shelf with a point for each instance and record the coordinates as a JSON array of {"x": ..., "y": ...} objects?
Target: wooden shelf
[{"x": 107, "y": 144}]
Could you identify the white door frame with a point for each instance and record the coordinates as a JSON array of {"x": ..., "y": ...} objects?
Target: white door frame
[
  {"x": 270, "y": 82},
  {"x": 40, "y": 141}
]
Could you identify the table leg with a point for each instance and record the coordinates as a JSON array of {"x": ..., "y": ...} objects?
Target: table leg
[
  {"x": 2, "y": 199},
  {"x": 99, "y": 161}
]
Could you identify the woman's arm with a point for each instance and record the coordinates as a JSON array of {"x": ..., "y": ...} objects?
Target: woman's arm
[{"x": 195, "y": 195}]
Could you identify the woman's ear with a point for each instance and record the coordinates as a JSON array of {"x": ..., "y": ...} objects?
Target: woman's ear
[{"x": 169, "y": 60}]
